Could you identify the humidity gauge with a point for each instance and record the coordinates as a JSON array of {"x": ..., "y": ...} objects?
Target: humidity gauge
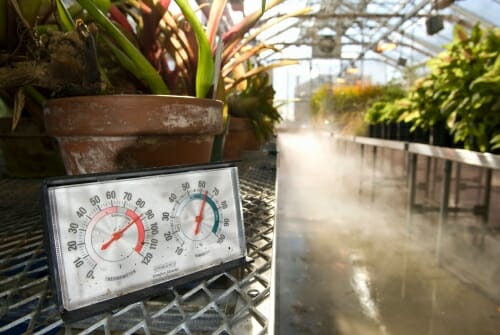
[{"x": 118, "y": 238}]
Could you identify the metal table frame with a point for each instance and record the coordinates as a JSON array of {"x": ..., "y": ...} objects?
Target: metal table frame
[{"x": 485, "y": 161}]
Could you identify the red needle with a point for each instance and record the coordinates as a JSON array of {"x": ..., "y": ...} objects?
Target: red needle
[
  {"x": 199, "y": 217},
  {"x": 118, "y": 235}
]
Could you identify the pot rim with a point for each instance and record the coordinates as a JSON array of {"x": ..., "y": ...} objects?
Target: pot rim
[{"x": 186, "y": 98}]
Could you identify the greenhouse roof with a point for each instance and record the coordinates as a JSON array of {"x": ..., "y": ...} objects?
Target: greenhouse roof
[{"x": 398, "y": 33}]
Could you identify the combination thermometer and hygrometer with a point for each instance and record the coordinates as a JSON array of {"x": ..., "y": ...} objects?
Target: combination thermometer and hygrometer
[{"x": 121, "y": 237}]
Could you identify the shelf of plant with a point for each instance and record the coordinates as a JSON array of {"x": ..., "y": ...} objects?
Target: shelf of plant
[
  {"x": 235, "y": 302},
  {"x": 484, "y": 160},
  {"x": 389, "y": 144}
]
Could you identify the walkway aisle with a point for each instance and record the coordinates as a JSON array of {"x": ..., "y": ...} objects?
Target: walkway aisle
[{"x": 345, "y": 266}]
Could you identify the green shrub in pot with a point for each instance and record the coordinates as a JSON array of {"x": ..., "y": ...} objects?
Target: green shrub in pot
[
  {"x": 469, "y": 80},
  {"x": 462, "y": 91}
]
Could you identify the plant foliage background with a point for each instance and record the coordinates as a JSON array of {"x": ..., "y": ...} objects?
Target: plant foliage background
[{"x": 461, "y": 92}]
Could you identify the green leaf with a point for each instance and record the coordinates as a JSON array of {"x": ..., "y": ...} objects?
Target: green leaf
[
  {"x": 205, "y": 69},
  {"x": 450, "y": 121},
  {"x": 495, "y": 142},
  {"x": 146, "y": 71},
  {"x": 496, "y": 65},
  {"x": 34, "y": 94},
  {"x": 103, "y": 5},
  {"x": 476, "y": 33},
  {"x": 123, "y": 58},
  {"x": 485, "y": 83},
  {"x": 65, "y": 19},
  {"x": 459, "y": 33}
]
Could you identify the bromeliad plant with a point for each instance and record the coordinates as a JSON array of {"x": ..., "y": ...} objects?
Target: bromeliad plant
[
  {"x": 173, "y": 52},
  {"x": 256, "y": 102},
  {"x": 143, "y": 43},
  {"x": 133, "y": 46},
  {"x": 183, "y": 52}
]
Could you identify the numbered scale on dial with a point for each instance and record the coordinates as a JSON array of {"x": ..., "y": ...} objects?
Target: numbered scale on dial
[{"x": 118, "y": 238}]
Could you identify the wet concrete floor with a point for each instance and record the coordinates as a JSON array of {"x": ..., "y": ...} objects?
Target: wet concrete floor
[{"x": 345, "y": 265}]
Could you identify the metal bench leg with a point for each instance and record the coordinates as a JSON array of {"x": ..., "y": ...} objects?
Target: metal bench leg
[
  {"x": 374, "y": 173},
  {"x": 362, "y": 153},
  {"x": 412, "y": 178},
  {"x": 443, "y": 210}
]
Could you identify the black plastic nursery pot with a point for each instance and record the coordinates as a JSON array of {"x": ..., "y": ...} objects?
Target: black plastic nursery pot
[
  {"x": 375, "y": 130},
  {"x": 439, "y": 135},
  {"x": 391, "y": 131},
  {"x": 419, "y": 136}
]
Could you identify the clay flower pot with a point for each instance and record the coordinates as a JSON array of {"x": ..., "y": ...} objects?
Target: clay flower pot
[
  {"x": 27, "y": 152},
  {"x": 240, "y": 138},
  {"x": 119, "y": 132}
]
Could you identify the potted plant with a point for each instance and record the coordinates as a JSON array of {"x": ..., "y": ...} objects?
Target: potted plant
[
  {"x": 469, "y": 80},
  {"x": 253, "y": 116},
  {"x": 141, "y": 55},
  {"x": 345, "y": 105},
  {"x": 95, "y": 127},
  {"x": 459, "y": 99},
  {"x": 136, "y": 130}
]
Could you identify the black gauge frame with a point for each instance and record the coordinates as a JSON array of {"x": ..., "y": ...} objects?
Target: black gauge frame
[{"x": 109, "y": 305}]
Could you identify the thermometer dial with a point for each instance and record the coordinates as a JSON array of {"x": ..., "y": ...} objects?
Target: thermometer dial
[{"x": 117, "y": 238}]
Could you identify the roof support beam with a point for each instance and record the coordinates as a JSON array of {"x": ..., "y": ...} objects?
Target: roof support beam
[
  {"x": 471, "y": 17},
  {"x": 394, "y": 27},
  {"x": 433, "y": 48},
  {"x": 359, "y": 15}
]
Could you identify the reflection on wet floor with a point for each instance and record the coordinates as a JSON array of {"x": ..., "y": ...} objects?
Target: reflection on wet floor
[{"x": 346, "y": 265}]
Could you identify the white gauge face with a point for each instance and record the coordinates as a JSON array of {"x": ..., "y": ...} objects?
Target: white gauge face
[{"x": 119, "y": 236}]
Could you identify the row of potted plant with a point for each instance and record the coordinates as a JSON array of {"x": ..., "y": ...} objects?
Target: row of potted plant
[
  {"x": 129, "y": 50},
  {"x": 460, "y": 95},
  {"x": 345, "y": 104}
]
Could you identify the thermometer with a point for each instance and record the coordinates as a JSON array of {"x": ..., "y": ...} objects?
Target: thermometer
[{"x": 118, "y": 238}]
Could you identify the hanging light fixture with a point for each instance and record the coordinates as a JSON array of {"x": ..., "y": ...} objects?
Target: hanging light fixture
[
  {"x": 384, "y": 46},
  {"x": 434, "y": 23},
  {"x": 442, "y": 4},
  {"x": 352, "y": 69}
]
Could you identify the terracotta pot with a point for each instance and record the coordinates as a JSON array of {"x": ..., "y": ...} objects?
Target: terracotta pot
[
  {"x": 28, "y": 152},
  {"x": 120, "y": 132},
  {"x": 240, "y": 138}
]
